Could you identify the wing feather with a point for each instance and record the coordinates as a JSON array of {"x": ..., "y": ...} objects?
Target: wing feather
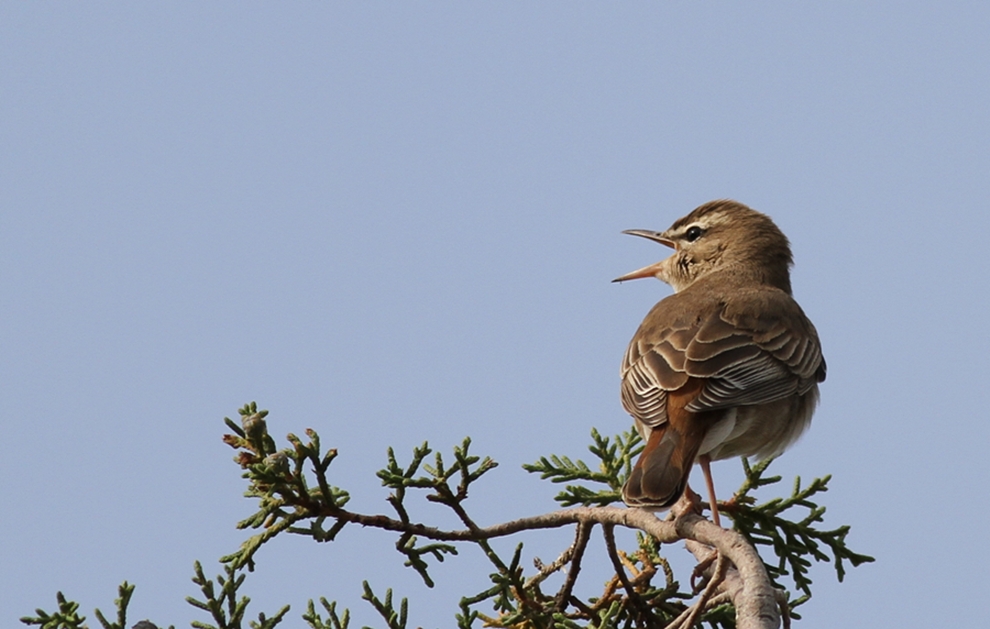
[{"x": 760, "y": 349}]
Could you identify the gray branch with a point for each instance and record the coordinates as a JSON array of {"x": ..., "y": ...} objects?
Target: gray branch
[{"x": 746, "y": 583}]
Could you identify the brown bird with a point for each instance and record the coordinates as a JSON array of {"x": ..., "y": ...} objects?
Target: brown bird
[{"x": 728, "y": 365}]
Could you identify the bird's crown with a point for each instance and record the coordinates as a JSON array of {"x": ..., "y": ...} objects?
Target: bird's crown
[{"x": 727, "y": 234}]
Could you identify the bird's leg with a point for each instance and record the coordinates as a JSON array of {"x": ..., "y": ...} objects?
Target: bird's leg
[
  {"x": 705, "y": 461},
  {"x": 693, "y": 500}
]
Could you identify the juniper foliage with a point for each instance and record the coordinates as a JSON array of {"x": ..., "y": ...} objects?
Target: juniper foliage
[{"x": 294, "y": 494}]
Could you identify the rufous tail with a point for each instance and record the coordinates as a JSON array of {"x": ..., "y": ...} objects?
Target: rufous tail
[{"x": 660, "y": 475}]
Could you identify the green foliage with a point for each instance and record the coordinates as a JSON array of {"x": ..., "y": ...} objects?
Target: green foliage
[
  {"x": 793, "y": 541},
  {"x": 393, "y": 619},
  {"x": 67, "y": 616},
  {"x": 466, "y": 469},
  {"x": 615, "y": 457},
  {"x": 315, "y": 621},
  {"x": 294, "y": 494},
  {"x": 224, "y": 606},
  {"x": 276, "y": 478}
]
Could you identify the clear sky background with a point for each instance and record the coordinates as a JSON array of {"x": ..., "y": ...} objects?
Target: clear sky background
[{"x": 398, "y": 222}]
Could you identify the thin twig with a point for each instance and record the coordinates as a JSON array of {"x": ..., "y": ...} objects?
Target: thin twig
[
  {"x": 753, "y": 596},
  {"x": 545, "y": 570},
  {"x": 581, "y": 538},
  {"x": 663, "y": 531},
  {"x": 482, "y": 542},
  {"x": 721, "y": 598},
  {"x": 584, "y": 609},
  {"x": 691, "y": 614},
  {"x": 634, "y": 598},
  {"x": 785, "y": 608}
]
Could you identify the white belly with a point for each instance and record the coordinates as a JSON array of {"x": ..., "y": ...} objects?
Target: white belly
[{"x": 763, "y": 430}]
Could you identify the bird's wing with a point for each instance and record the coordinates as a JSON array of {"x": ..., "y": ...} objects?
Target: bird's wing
[{"x": 757, "y": 349}]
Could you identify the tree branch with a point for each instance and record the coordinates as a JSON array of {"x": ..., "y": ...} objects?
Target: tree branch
[
  {"x": 290, "y": 502},
  {"x": 740, "y": 576},
  {"x": 752, "y": 594}
]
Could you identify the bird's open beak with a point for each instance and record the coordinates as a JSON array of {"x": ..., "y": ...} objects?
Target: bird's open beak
[
  {"x": 654, "y": 236},
  {"x": 653, "y": 269}
]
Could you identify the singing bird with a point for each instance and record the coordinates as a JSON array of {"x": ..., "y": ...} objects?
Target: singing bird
[{"x": 728, "y": 365}]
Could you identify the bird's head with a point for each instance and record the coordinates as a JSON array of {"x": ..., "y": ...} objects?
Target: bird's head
[{"x": 720, "y": 235}]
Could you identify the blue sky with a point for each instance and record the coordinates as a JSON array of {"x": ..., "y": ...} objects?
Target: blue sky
[{"x": 398, "y": 222}]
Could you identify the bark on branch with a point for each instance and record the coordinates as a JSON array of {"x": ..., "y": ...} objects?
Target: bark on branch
[{"x": 746, "y": 583}]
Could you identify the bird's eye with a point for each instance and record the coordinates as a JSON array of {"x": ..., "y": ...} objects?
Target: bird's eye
[{"x": 693, "y": 233}]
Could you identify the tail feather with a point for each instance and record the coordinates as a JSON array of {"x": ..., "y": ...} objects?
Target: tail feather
[{"x": 660, "y": 475}]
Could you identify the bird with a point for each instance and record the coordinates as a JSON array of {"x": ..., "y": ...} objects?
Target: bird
[{"x": 729, "y": 364}]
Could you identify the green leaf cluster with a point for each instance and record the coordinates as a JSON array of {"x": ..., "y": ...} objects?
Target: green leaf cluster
[
  {"x": 615, "y": 456},
  {"x": 794, "y": 540},
  {"x": 293, "y": 492}
]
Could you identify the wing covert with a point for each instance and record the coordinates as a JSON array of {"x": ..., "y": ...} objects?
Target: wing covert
[{"x": 745, "y": 356}]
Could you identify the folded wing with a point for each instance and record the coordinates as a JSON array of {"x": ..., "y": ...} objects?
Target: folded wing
[{"x": 744, "y": 356}]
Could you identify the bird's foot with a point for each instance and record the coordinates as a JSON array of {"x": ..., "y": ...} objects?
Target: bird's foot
[{"x": 689, "y": 502}]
